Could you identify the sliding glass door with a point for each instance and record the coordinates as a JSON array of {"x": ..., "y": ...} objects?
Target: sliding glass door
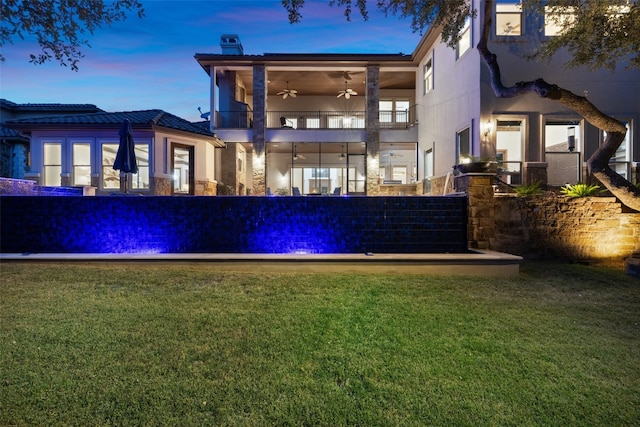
[{"x": 315, "y": 168}]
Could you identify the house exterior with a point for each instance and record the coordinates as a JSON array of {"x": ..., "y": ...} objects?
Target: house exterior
[
  {"x": 174, "y": 156},
  {"x": 292, "y": 128},
  {"x": 14, "y": 149},
  {"x": 351, "y": 124}
]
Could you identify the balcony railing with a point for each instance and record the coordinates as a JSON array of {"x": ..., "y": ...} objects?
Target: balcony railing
[
  {"x": 316, "y": 119},
  {"x": 234, "y": 119}
]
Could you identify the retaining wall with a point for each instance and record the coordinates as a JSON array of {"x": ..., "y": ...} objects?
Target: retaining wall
[{"x": 551, "y": 226}]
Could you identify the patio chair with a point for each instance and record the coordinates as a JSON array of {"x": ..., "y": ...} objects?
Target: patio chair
[
  {"x": 296, "y": 191},
  {"x": 284, "y": 123},
  {"x": 337, "y": 191}
]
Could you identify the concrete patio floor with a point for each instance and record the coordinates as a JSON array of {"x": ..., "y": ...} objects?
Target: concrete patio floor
[{"x": 475, "y": 263}]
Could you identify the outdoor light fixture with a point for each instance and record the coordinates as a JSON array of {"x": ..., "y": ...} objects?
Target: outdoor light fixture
[
  {"x": 487, "y": 128},
  {"x": 571, "y": 138}
]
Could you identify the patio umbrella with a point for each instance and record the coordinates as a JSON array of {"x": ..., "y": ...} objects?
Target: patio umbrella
[{"x": 126, "y": 157}]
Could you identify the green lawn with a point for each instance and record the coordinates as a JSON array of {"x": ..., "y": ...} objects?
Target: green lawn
[{"x": 176, "y": 345}]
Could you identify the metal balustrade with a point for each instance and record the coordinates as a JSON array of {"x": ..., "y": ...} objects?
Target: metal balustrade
[{"x": 316, "y": 119}]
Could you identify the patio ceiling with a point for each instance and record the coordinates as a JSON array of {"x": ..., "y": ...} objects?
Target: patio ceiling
[{"x": 327, "y": 82}]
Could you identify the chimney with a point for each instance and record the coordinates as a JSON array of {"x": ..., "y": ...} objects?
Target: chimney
[{"x": 230, "y": 44}]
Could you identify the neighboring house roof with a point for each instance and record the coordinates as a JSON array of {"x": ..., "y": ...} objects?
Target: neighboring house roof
[
  {"x": 13, "y": 111},
  {"x": 140, "y": 120},
  {"x": 10, "y": 134},
  {"x": 55, "y": 107}
]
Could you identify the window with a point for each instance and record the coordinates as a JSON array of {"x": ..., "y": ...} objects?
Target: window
[
  {"x": 386, "y": 111},
  {"x": 428, "y": 163},
  {"x": 428, "y": 76},
  {"x": 465, "y": 38},
  {"x": 313, "y": 123},
  {"x": 402, "y": 111},
  {"x": 81, "y": 163},
  {"x": 556, "y": 18},
  {"x": 619, "y": 162},
  {"x": 140, "y": 180},
  {"x": 508, "y": 19},
  {"x": 320, "y": 173},
  {"x": 394, "y": 112},
  {"x": 110, "y": 176},
  {"x": 463, "y": 142},
  {"x": 509, "y": 142},
  {"x": 52, "y": 168}
]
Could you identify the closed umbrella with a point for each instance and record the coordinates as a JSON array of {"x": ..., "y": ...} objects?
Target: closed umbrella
[{"x": 126, "y": 157}]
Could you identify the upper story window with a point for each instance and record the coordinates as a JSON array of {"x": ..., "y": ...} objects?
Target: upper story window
[
  {"x": 508, "y": 19},
  {"x": 428, "y": 75},
  {"x": 402, "y": 111},
  {"x": 393, "y": 111},
  {"x": 386, "y": 111},
  {"x": 556, "y": 19},
  {"x": 465, "y": 38}
]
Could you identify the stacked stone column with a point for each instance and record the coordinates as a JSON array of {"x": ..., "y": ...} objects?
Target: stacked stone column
[{"x": 479, "y": 190}]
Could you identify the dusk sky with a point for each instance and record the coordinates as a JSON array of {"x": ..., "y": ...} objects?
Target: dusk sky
[{"x": 149, "y": 63}]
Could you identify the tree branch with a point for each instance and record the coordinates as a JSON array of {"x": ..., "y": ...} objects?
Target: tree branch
[{"x": 598, "y": 163}]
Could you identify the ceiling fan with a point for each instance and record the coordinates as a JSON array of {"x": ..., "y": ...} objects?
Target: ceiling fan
[
  {"x": 342, "y": 156},
  {"x": 297, "y": 156},
  {"x": 392, "y": 155},
  {"x": 347, "y": 92},
  {"x": 288, "y": 92}
]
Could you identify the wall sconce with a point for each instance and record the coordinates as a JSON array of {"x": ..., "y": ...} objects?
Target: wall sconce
[
  {"x": 571, "y": 138},
  {"x": 487, "y": 128}
]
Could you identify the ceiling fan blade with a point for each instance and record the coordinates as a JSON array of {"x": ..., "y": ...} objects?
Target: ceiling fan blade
[
  {"x": 285, "y": 95},
  {"x": 340, "y": 94},
  {"x": 347, "y": 95},
  {"x": 280, "y": 93},
  {"x": 293, "y": 94},
  {"x": 292, "y": 91}
]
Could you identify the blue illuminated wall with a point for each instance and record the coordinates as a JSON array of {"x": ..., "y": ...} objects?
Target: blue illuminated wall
[{"x": 138, "y": 224}]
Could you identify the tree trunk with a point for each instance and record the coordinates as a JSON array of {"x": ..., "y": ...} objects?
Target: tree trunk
[{"x": 598, "y": 163}]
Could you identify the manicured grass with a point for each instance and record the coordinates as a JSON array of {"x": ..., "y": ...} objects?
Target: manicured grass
[{"x": 177, "y": 345}]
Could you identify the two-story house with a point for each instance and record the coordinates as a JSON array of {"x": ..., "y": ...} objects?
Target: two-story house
[
  {"x": 355, "y": 124},
  {"x": 396, "y": 124}
]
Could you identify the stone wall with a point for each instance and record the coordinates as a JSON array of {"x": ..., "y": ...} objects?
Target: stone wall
[
  {"x": 399, "y": 190},
  {"x": 583, "y": 228},
  {"x": 550, "y": 226}
]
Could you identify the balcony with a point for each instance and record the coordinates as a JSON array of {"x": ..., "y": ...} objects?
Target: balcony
[{"x": 316, "y": 119}]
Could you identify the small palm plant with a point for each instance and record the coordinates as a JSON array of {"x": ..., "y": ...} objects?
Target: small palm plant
[
  {"x": 580, "y": 190},
  {"x": 529, "y": 190}
]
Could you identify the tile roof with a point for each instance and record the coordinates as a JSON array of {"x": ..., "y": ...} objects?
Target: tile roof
[
  {"x": 7, "y": 133},
  {"x": 138, "y": 119},
  {"x": 4, "y": 103}
]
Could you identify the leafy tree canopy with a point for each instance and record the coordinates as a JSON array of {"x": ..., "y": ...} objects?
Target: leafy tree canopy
[
  {"x": 60, "y": 26},
  {"x": 597, "y": 33}
]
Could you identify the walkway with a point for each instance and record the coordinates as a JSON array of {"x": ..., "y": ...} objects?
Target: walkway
[{"x": 476, "y": 263}]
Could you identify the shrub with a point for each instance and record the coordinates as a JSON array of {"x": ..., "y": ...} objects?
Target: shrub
[
  {"x": 580, "y": 190},
  {"x": 529, "y": 190}
]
